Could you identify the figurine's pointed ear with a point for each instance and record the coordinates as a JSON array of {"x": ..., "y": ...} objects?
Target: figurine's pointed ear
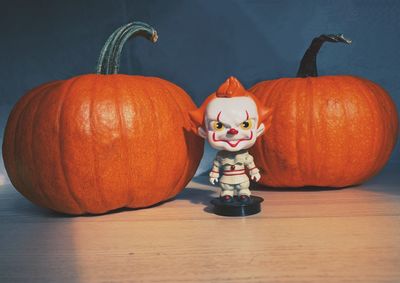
[
  {"x": 266, "y": 118},
  {"x": 202, "y": 133},
  {"x": 196, "y": 119},
  {"x": 260, "y": 130}
]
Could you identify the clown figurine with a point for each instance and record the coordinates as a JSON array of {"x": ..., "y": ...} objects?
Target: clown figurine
[{"x": 231, "y": 119}]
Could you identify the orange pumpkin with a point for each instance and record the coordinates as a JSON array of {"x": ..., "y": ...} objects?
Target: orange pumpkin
[
  {"x": 332, "y": 131},
  {"x": 98, "y": 142}
]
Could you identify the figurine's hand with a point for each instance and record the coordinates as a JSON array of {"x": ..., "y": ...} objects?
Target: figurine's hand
[
  {"x": 256, "y": 177},
  {"x": 213, "y": 180}
]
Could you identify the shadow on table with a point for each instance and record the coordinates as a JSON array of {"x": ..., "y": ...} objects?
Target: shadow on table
[
  {"x": 387, "y": 181},
  {"x": 20, "y": 206},
  {"x": 200, "y": 195}
]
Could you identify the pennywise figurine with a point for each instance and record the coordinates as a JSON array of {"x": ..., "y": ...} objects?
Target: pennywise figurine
[{"x": 231, "y": 119}]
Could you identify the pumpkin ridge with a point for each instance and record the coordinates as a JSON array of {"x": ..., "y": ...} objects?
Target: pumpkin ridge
[
  {"x": 24, "y": 108},
  {"x": 279, "y": 97},
  {"x": 390, "y": 110},
  {"x": 383, "y": 148},
  {"x": 265, "y": 99},
  {"x": 373, "y": 105},
  {"x": 132, "y": 196},
  {"x": 363, "y": 94},
  {"x": 324, "y": 159},
  {"x": 10, "y": 132},
  {"x": 124, "y": 142},
  {"x": 319, "y": 139},
  {"x": 60, "y": 139},
  {"x": 320, "y": 128},
  {"x": 310, "y": 136},
  {"x": 36, "y": 179},
  {"x": 93, "y": 149},
  {"x": 375, "y": 117},
  {"x": 317, "y": 110},
  {"x": 157, "y": 139},
  {"x": 145, "y": 102},
  {"x": 46, "y": 158},
  {"x": 345, "y": 170},
  {"x": 160, "y": 84},
  {"x": 114, "y": 186},
  {"x": 331, "y": 159},
  {"x": 264, "y": 141},
  {"x": 298, "y": 170},
  {"x": 185, "y": 167}
]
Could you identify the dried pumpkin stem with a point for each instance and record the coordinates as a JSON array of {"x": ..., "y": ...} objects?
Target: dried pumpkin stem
[
  {"x": 308, "y": 64},
  {"x": 110, "y": 54}
]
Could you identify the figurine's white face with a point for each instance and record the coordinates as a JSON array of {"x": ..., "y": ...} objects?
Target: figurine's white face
[{"x": 231, "y": 123}]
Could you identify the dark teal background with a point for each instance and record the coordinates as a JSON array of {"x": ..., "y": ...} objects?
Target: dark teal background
[{"x": 200, "y": 44}]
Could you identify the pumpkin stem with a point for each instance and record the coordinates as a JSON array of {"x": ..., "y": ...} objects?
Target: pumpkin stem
[
  {"x": 109, "y": 59},
  {"x": 308, "y": 65},
  {"x": 103, "y": 62}
]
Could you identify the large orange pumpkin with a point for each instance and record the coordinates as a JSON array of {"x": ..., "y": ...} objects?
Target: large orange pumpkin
[
  {"x": 98, "y": 142},
  {"x": 332, "y": 131}
]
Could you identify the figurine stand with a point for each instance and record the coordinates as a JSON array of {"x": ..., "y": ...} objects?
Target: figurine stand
[{"x": 237, "y": 208}]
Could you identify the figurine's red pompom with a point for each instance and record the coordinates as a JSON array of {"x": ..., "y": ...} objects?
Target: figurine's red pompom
[{"x": 231, "y": 88}]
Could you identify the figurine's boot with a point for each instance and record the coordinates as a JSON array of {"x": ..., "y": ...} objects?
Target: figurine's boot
[
  {"x": 244, "y": 199},
  {"x": 244, "y": 192},
  {"x": 227, "y": 192}
]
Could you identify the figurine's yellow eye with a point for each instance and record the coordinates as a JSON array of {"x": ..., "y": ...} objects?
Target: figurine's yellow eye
[
  {"x": 217, "y": 126},
  {"x": 246, "y": 124}
]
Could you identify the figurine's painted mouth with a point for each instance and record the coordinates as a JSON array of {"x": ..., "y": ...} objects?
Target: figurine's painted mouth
[{"x": 233, "y": 143}]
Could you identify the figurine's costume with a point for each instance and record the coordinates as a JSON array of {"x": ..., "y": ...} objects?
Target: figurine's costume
[{"x": 234, "y": 180}]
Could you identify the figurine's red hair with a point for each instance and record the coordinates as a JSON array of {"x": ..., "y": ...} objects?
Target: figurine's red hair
[{"x": 230, "y": 88}]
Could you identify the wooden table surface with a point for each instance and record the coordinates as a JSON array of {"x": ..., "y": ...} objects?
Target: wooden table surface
[{"x": 347, "y": 235}]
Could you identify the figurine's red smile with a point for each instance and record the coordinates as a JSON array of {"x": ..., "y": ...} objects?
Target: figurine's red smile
[{"x": 231, "y": 142}]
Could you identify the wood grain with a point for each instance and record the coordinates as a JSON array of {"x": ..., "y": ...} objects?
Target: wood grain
[{"x": 347, "y": 235}]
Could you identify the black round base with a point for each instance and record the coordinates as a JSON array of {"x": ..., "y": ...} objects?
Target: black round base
[{"x": 237, "y": 208}]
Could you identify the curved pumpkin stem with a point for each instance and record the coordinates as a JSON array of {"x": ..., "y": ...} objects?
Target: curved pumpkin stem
[
  {"x": 308, "y": 65},
  {"x": 103, "y": 62},
  {"x": 110, "y": 54}
]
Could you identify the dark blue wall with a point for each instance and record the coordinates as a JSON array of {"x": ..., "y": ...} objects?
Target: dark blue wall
[{"x": 200, "y": 42}]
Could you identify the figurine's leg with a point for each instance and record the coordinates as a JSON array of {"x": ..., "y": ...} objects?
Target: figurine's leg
[
  {"x": 244, "y": 188},
  {"x": 226, "y": 192},
  {"x": 226, "y": 189}
]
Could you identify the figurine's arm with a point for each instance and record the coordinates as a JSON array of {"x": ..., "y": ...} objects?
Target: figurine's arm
[
  {"x": 214, "y": 173},
  {"x": 253, "y": 170}
]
